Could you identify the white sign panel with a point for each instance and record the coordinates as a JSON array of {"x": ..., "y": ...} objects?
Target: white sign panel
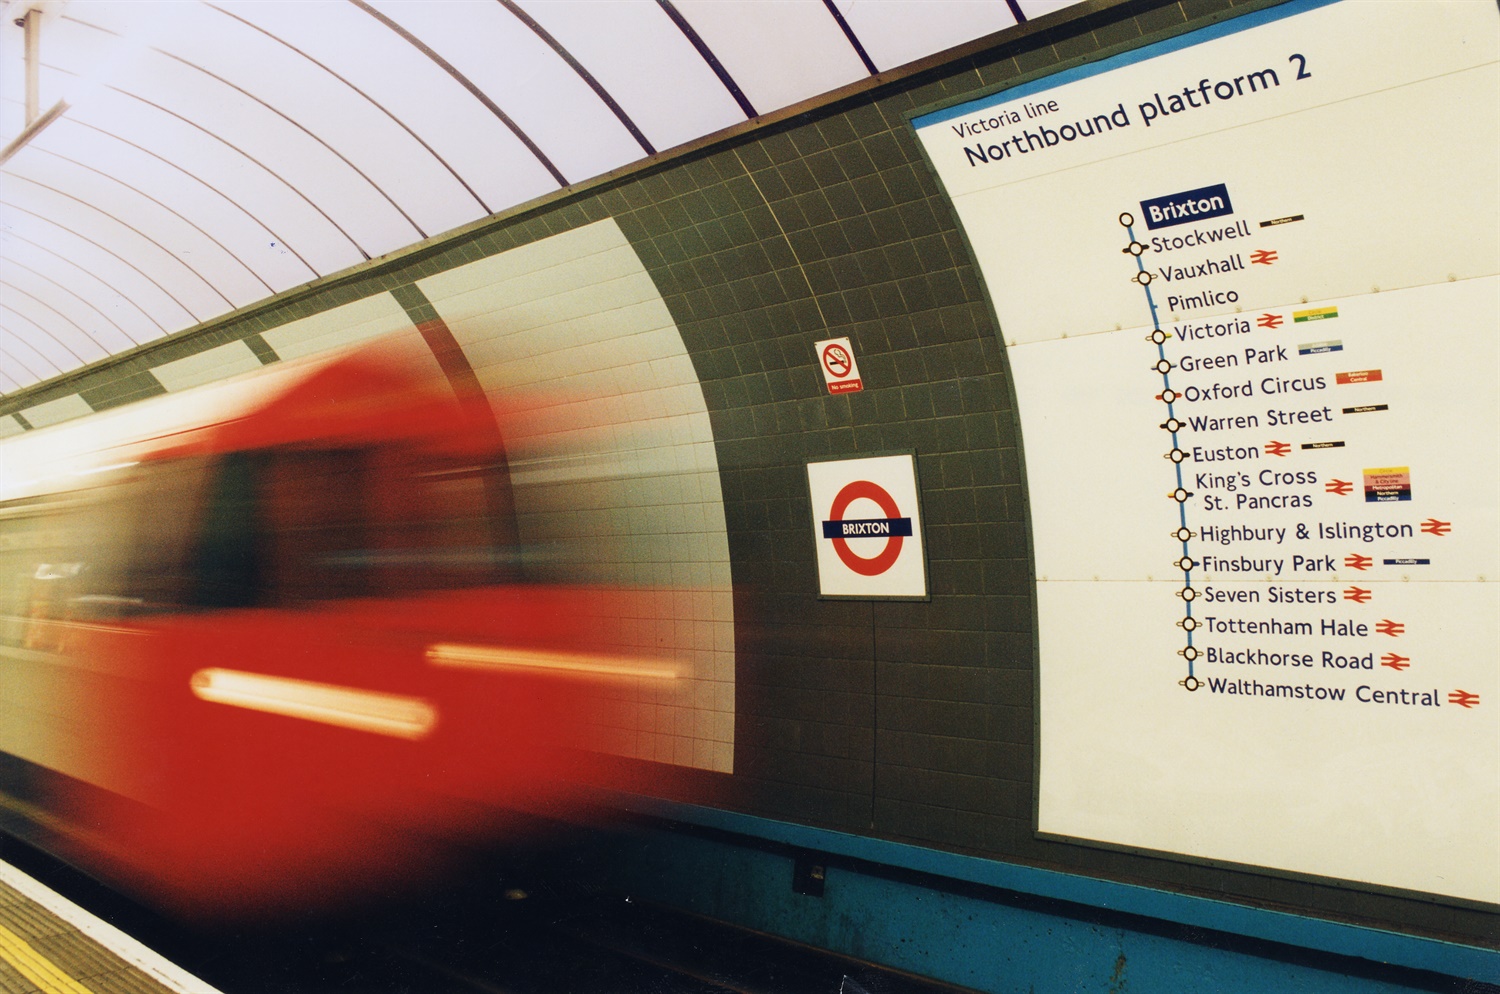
[
  {"x": 840, "y": 371},
  {"x": 1248, "y": 279},
  {"x": 868, "y": 527}
]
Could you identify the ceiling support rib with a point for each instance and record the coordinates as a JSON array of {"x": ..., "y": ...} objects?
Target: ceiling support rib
[
  {"x": 108, "y": 285},
  {"x": 130, "y": 227},
  {"x": 275, "y": 237},
  {"x": 65, "y": 319},
  {"x": 274, "y": 110},
  {"x": 241, "y": 152},
  {"x": 82, "y": 300},
  {"x": 227, "y": 251},
  {"x": 859, "y": 49},
  {"x": 583, "y": 73},
  {"x": 30, "y": 348},
  {"x": 371, "y": 100},
  {"x": 709, "y": 57},
  {"x": 467, "y": 84},
  {"x": 62, "y": 227}
]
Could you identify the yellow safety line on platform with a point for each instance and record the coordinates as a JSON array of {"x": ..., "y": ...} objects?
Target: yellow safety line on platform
[{"x": 35, "y": 967}]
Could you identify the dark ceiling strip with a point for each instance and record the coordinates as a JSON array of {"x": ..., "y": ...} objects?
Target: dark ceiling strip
[
  {"x": 583, "y": 73},
  {"x": 75, "y": 355},
  {"x": 185, "y": 220},
  {"x": 279, "y": 113},
  {"x": 56, "y": 224},
  {"x": 275, "y": 238},
  {"x": 17, "y": 359},
  {"x": 467, "y": 84},
  {"x": 1015, "y": 8},
  {"x": 854, "y": 39},
  {"x": 373, "y": 102},
  {"x": 235, "y": 148},
  {"x": 708, "y": 56},
  {"x": 33, "y": 297},
  {"x": 74, "y": 294},
  {"x": 112, "y": 288},
  {"x": 129, "y": 227}
]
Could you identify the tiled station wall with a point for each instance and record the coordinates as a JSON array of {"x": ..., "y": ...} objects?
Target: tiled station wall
[{"x": 908, "y": 721}]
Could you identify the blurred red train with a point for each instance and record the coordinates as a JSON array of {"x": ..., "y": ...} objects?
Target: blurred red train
[{"x": 260, "y": 642}]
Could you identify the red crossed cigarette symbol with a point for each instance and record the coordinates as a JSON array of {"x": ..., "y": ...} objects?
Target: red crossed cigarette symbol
[
  {"x": 1358, "y": 595},
  {"x": 1391, "y": 628},
  {"x": 1395, "y": 662},
  {"x": 1337, "y": 486},
  {"x": 1358, "y": 562},
  {"x": 1270, "y": 320},
  {"x": 1463, "y": 698},
  {"x": 1276, "y": 448},
  {"x": 1263, "y": 256},
  {"x": 1433, "y": 526}
]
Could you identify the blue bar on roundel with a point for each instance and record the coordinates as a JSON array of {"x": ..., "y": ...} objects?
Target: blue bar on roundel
[{"x": 867, "y": 528}]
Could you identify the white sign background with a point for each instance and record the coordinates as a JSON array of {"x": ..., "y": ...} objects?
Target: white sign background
[
  {"x": 1387, "y": 147},
  {"x": 906, "y": 577}
]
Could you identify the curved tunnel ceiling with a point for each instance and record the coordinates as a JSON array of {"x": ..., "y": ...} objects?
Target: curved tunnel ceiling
[{"x": 193, "y": 157}]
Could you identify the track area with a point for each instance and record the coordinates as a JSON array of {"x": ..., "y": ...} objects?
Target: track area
[{"x": 501, "y": 932}]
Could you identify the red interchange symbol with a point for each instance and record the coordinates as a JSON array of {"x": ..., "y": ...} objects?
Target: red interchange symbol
[
  {"x": 1433, "y": 526},
  {"x": 1358, "y": 595},
  {"x": 1270, "y": 320},
  {"x": 1337, "y": 486},
  {"x": 1358, "y": 562},
  {"x": 1276, "y": 448},
  {"x": 1263, "y": 256},
  {"x": 1395, "y": 662},
  {"x": 1391, "y": 628},
  {"x": 1463, "y": 699}
]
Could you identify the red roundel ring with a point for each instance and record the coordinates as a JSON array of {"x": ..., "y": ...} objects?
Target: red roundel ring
[{"x": 859, "y": 564}]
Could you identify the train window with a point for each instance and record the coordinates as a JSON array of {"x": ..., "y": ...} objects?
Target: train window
[
  {"x": 134, "y": 535},
  {"x": 229, "y": 562},
  {"x": 316, "y": 524},
  {"x": 39, "y": 570}
]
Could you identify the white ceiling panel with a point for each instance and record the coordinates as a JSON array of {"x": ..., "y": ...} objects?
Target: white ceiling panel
[
  {"x": 532, "y": 85},
  {"x": 72, "y": 312},
  {"x": 105, "y": 247},
  {"x": 185, "y": 194},
  {"x": 65, "y": 344},
  {"x": 39, "y": 345},
  {"x": 213, "y": 153},
  {"x": 775, "y": 50},
  {"x": 46, "y": 264},
  {"x": 897, "y": 33},
  {"x": 186, "y": 243},
  {"x": 639, "y": 56}
]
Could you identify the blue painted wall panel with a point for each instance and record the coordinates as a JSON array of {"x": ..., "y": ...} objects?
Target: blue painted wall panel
[{"x": 979, "y": 941}]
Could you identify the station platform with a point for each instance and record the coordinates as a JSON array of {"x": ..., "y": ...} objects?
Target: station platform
[{"x": 49, "y": 945}]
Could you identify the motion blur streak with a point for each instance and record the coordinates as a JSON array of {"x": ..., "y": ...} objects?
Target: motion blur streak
[
  {"x": 477, "y": 657},
  {"x": 363, "y": 710},
  {"x": 276, "y": 645}
]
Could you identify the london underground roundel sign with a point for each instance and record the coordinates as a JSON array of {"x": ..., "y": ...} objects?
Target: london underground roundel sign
[{"x": 867, "y": 527}]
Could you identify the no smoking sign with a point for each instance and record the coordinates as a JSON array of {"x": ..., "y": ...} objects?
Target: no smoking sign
[
  {"x": 867, "y": 527},
  {"x": 840, "y": 371}
]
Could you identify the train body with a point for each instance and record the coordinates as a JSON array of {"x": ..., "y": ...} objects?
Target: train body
[{"x": 262, "y": 642}]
